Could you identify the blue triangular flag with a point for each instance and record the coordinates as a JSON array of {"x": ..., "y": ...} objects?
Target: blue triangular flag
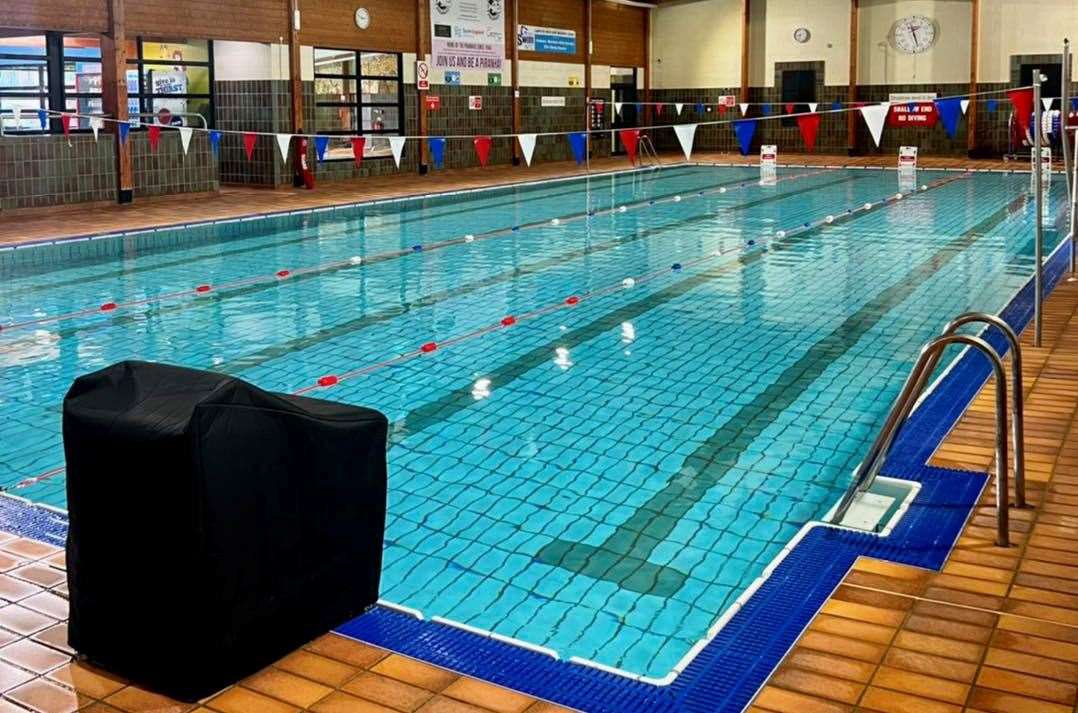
[
  {"x": 437, "y": 151},
  {"x": 320, "y": 144},
  {"x": 911, "y": 108},
  {"x": 767, "y": 111},
  {"x": 1074, "y": 104},
  {"x": 579, "y": 143},
  {"x": 992, "y": 104},
  {"x": 744, "y": 130},
  {"x": 836, "y": 105},
  {"x": 700, "y": 107},
  {"x": 215, "y": 141},
  {"x": 950, "y": 111},
  {"x": 123, "y": 127},
  {"x": 43, "y": 117}
]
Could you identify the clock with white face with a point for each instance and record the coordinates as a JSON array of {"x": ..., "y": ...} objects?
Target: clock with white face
[
  {"x": 914, "y": 34},
  {"x": 802, "y": 35},
  {"x": 363, "y": 18}
]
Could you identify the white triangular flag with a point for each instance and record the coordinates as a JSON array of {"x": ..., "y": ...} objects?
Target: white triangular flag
[
  {"x": 813, "y": 105},
  {"x": 396, "y": 143},
  {"x": 744, "y": 109},
  {"x": 96, "y": 123},
  {"x": 1047, "y": 101},
  {"x": 686, "y": 134},
  {"x": 185, "y": 137},
  {"x": 617, "y": 108},
  {"x": 875, "y": 115},
  {"x": 965, "y": 105},
  {"x": 679, "y": 107},
  {"x": 283, "y": 140},
  {"x": 527, "y": 146}
]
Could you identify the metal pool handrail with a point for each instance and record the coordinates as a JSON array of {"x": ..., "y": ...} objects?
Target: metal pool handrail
[{"x": 901, "y": 408}]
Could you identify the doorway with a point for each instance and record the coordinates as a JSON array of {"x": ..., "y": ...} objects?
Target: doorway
[
  {"x": 623, "y": 90},
  {"x": 798, "y": 87}
]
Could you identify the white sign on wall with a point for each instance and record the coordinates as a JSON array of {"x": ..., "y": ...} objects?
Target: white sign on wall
[
  {"x": 422, "y": 76},
  {"x": 468, "y": 34},
  {"x": 475, "y": 103},
  {"x": 552, "y": 101},
  {"x": 914, "y": 97}
]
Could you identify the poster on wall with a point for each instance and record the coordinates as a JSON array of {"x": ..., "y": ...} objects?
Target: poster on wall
[
  {"x": 467, "y": 34},
  {"x": 914, "y": 109},
  {"x": 551, "y": 40}
]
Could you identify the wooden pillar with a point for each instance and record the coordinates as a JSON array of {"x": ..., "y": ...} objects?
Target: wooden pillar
[
  {"x": 295, "y": 71},
  {"x": 587, "y": 64},
  {"x": 114, "y": 95},
  {"x": 974, "y": 51},
  {"x": 647, "y": 68},
  {"x": 745, "y": 9},
  {"x": 851, "y": 95},
  {"x": 514, "y": 9},
  {"x": 422, "y": 47}
]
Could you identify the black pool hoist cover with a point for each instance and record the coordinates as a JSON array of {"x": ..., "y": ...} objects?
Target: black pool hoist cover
[{"x": 214, "y": 527}]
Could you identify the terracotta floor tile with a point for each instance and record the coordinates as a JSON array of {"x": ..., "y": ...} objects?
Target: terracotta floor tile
[
  {"x": 413, "y": 672},
  {"x": 87, "y": 680},
  {"x": 388, "y": 691},
  {"x": 930, "y": 665},
  {"x": 857, "y": 630},
  {"x": 13, "y": 589},
  {"x": 487, "y": 695},
  {"x": 848, "y": 648},
  {"x": 9, "y": 561},
  {"x": 442, "y": 704},
  {"x": 1002, "y": 702},
  {"x": 353, "y": 653},
  {"x": 137, "y": 700},
  {"x": 777, "y": 699},
  {"x": 243, "y": 700},
  {"x": 317, "y": 668},
  {"x": 939, "y": 646},
  {"x": 48, "y": 604},
  {"x": 40, "y": 574},
  {"x": 1066, "y": 671},
  {"x": 46, "y": 697},
  {"x": 818, "y": 686},
  {"x": 12, "y": 677},
  {"x": 1026, "y": 685},
  {"x": 28, "y": 549},
  {"x": 7, "y": 706},
  {"x": 852, "y": 669},
  {"x": 544, "y": 707},
  {"x": 887, "y": 701},
  {"x": 922, "y": 685},
  {"x": 287, "y": 687},
  {"x": 338, "y": 702},
  {"x": 33, "y": 656},
  {"x": 23, "y": 621},
  {"x": 54, "y": 636}
]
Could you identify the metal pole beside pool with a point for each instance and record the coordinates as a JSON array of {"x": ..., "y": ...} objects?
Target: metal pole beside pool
[
  {"x": 1038, "y": 204},
  {"x": 1068, "y": 159}
]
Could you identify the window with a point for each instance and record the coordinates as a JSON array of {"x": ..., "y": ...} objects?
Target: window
[
  {"x": 171, "y": 82},
  {"x": 358, "y": 92},
  {"x": 24, "y": 78},
  {"x": 82, "y": 76}
]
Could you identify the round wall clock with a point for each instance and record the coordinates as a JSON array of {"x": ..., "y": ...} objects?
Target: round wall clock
[
  {"x": 363, "y": 18},
  {"x": 802, "y": 35},
  {"x": 914, "y": 34}
]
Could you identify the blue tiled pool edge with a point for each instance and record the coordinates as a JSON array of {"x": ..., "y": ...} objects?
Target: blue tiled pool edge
[{"x": 723, "y": 676}]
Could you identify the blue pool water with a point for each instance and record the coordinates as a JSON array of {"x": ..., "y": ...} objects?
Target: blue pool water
[{"x": 602, "y": 478}]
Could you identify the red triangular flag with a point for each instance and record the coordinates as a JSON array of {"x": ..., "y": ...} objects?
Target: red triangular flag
[
  {"x": 809, "y": 125},
  {"x": 629, "y": 139},
  {"x": 482, "y": 149},
  {"x": 65, "y": 121},
  {"x": 249, "y": 145},
  {"x": 722, "y": 108},
  {"x": 659, "y": 108},
  {"x": 789, "y": 108},
  {"x": 1022, "y": 99},
  {"x": 358, "y": 143},
  {"x": 154, "y": 135}
]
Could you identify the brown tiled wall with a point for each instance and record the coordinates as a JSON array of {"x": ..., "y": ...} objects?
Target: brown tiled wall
[{"x": 262, "y": 105}]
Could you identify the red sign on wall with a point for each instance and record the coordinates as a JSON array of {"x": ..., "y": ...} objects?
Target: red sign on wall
[
  {"x": 434, "y": 102},
  {"x": 915, "y": 114}
]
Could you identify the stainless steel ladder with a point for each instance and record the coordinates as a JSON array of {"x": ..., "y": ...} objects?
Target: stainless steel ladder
[
  {"x": 911, "y": 391},
  {"x": 645, "y": 152}
]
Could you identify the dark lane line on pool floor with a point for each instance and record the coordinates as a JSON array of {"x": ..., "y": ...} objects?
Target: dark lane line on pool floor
[
  {"x": 305, "y": 342},
  {"x": 623, "y": 557},
  {"x": 234, "y": 252},
  {"x": 259, "y": 284}
]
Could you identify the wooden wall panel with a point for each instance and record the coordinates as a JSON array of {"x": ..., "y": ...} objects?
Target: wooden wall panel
[
  {"x": 66, "y": 15},
  {"x": 562, "y": 14},
  {"x": 245, "y": 20},
  {"x": 331, "y": 23},
  {"x": 618, "y": 35}
]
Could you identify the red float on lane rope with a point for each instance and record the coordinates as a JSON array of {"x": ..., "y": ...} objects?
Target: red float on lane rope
[
  {"x": 428, "y": 347},
  {"x": 509, "y": 321},
  {"x": 202, "y": 288},
  {"x": 328, "y": 381},
  {"x": 283, "y": 273},
  {"x": 108, "y": 306},
  {"x": 572, "y": 300}
]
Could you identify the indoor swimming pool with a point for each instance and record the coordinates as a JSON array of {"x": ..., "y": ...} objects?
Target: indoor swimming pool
[{"x": 613, "y": 401}]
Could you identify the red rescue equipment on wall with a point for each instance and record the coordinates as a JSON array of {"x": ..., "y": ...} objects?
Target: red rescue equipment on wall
[{"x": 304, "y": 175}]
